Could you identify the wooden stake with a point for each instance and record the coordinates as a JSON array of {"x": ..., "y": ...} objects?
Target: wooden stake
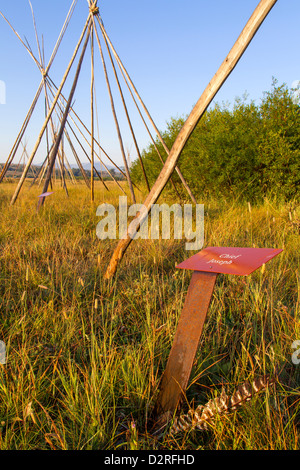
[{"x": 209, "y": 93}]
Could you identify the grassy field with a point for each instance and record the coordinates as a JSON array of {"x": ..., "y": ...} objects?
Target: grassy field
[{"x": 84, "y": 357}]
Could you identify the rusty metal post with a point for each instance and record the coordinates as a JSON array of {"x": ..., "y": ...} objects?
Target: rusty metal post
[
  {"x": 206, "y": 264},
  {"x": 176, "y": 376}
]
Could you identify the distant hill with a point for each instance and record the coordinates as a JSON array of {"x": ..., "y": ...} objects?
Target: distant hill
[
  {"x": 97, "y": 165},
  {"x": 15, "y": 171}
]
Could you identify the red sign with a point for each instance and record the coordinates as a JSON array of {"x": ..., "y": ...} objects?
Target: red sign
[{"x": 238, "y": 261}]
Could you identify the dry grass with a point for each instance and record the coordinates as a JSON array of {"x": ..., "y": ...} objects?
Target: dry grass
[{"x": 84, "y": 358}]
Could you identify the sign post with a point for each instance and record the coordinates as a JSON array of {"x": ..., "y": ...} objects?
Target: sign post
[{"x": 206, "y": 264}]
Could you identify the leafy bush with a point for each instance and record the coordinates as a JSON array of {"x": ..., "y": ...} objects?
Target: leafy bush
[{"x": 248, "y": 152}]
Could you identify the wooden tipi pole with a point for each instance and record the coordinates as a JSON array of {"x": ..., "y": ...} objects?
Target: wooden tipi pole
[
  {"x": 255, "y": 21},
  {"x": 92, "y": 113},
  {"x": 21, "y": 133}
]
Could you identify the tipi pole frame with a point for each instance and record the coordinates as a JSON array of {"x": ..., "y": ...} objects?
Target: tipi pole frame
[
  {"x": 21, "y": 133},
  {"x": 22, "y": 179},
  {"x": 106, "y": 168}
]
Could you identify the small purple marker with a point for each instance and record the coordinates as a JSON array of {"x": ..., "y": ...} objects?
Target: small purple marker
[{"x": 45, "y": 194}]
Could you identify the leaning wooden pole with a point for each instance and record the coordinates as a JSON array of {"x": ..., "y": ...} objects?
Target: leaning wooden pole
[
  {"x": 92, "y": 113},
  {"x": 54, "y": 151},
  {"x": 21, "y": 133},
  {"x": 86, "y": 180},
  {"x": 255, "y": 21}
]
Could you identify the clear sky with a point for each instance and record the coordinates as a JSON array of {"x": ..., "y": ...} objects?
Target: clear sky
[{"x": 170, "y": 48}]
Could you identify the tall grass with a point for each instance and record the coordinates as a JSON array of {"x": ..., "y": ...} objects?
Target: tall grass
[{"x": 84, "y": 357}]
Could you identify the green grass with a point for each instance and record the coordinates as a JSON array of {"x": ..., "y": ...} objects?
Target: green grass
[{"x": 84, "y": 357}]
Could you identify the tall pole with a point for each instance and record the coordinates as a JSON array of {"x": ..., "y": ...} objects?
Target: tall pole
[
  {"x": 92, "y": 113},
  {"x": 243, "y": 41}
]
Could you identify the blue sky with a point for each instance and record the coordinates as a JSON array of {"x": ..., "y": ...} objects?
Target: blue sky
[{"x": 170, "y": 48}]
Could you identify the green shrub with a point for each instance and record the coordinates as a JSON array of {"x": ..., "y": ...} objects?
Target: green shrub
[{"x": 248, "y": 152}]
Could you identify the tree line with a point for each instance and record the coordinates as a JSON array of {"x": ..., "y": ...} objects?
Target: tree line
[{"x": 246, "y": 151}]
